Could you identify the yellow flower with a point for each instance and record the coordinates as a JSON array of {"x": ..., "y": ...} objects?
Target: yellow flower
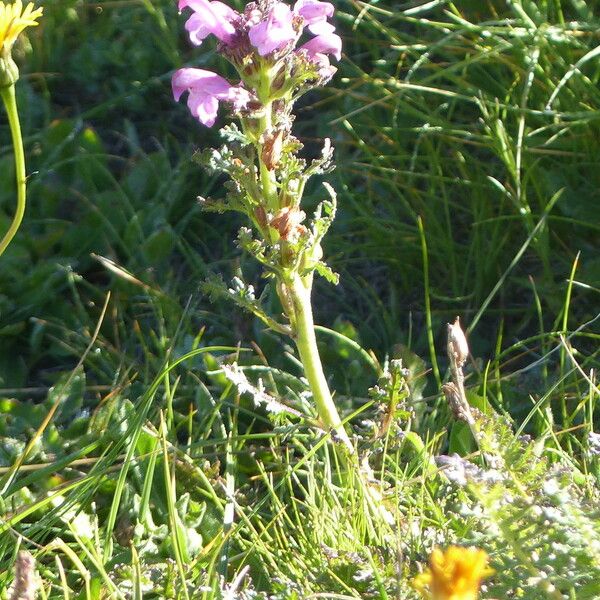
[
  {"x": 13, "y": 19},
  {"x": 455, "y": 574}
]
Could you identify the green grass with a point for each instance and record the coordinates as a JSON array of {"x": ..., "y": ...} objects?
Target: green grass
[{"x": 466, "y": 146}]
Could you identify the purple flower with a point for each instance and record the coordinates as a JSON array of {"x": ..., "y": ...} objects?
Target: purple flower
[
  {"x": 315, "y": 14},
  {"x": 206, "y": 89},
  {"x": 209, "y": 17},
  {"x": 275, "y": 31},
  {"x": 328, "y": 43}
]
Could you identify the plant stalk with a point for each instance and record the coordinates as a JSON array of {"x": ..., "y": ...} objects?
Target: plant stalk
[
  {"x": 295, "y": 290},
  {"x": 10, "y": 104},
  {"x": 306, "y": 342},
  {"x": 267, "y": 177}
]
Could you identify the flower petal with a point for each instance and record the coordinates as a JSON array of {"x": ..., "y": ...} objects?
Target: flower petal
[
  {"x": 273, "y": 32},
  {"x": 321, "y": 28},
  {"x": 313, "y": 10},
  {"x": 206, "y": 89},
  {"x": 197, "y": 29},
  {"x": 209, "y": 17},
  {"x": 330, "y": 43},
  {"x": 325, "y": 70},
  {"x": 223, "y": 10},
  {"x": 204, "y": 107},
  {"x": 238, "y": 96},
  {"x": 189, "y": 79}
]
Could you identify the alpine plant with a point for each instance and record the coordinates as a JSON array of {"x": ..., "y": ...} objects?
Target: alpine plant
[{"x": 279, "y": 53}]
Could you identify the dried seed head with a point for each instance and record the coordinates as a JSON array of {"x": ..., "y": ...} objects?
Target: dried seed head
[
  {"x": 458, "y": 349},
  {"x": 24, "y": 586},
  {"x": 457, "y": 403}
]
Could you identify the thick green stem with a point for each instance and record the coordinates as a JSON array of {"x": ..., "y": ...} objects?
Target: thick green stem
[
  {"x": 10, "y": 104},
  {"x": 295, "y": 290},
  {"x": 304, "y": 335}
]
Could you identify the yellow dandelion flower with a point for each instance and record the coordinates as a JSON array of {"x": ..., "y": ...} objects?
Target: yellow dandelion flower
[
  {"x": 13, "y": 19},
  {"x": 454, "y": 574}
]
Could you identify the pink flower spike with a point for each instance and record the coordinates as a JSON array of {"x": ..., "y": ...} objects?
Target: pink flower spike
[
  {"x": 273, "y": 32},
  {"x": 209, "y": 17},
  {"x": 206, "y": 89},
  {"x": 324, "y": 44}
]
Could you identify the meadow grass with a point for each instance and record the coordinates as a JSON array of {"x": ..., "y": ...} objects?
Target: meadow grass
[{"x": 466, "y": 139}]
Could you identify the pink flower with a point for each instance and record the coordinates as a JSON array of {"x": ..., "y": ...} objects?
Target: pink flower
[
  {"x": 209, "y": 17},
  {"x": 315, "y": 14},
  {"x": 206, "y": 89},
  {"x": 324, "y": 68},
  {"x": 275, "y": 31},
  {"x": 327, "y": 43}
]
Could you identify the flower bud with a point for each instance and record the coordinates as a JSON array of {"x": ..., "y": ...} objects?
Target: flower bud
[{"x": 458, "y": 349}]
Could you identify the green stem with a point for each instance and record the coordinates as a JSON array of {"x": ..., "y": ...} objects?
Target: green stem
[
  {"x": 306, "y": 341},
  {"x": 267, "y": 178},
  {"x": 295, "y": 290},
  {"x": 265, "y": 123},
  {"x": 10, "y": 104}
]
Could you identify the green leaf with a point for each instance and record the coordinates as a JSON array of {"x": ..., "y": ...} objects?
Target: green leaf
[
  {"x": 461, "y": 439},
  {"x": 159, "y": 246},
  {"x": 68, "y": 391}
]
